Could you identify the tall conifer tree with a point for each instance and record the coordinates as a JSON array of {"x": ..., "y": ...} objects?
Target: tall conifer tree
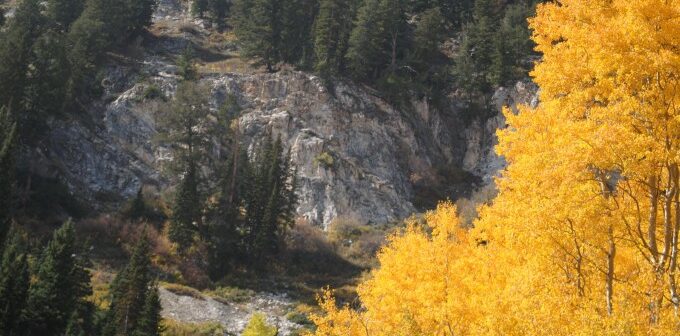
[
  {"x": 7, "y": 140},
  {"x": 60, "y": 285},
  {"x": 134, "y": 306},
  {"x": 14, "y": 280}
]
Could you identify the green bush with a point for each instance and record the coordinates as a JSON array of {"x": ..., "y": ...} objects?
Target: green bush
[
  {"x": 153, "y": 92},
  {"x": 298, "y": 317},
  {"x": 324, "y": 159},
  {"x": 257, "y": 326}
]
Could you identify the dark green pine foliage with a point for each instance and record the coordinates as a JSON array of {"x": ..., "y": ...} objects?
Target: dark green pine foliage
[
  {"x": 149, "y": 322},
  {"x": 186, "y": 68},
  {"x": 219, "y": 10},
  {"x": 366, "y": 53},
  {"x": 297, "y": 20},
  {"x": 513, "y": 44},
  {"x": 2, "y": 16},
  {"x": 132, "y": 312},
  {"x": 223, "y": 237},
  {"x": 140, "y": 13},
  {"x": 258, "y": 25},
  {"x": 45, "y": 91},
  {"x": 379, "y": 39},
  {"x": 88, "y": 42},
  {"x": 138, "y": 206},
  {"x": 477, "y": 49},
  {"x": 269, "y": 199},
  {"x": 186, "y": 211},
  {"x": 14, "y": 280},
  {"x": 455, "y": 12},
  {"x": 429, "y": 64},
  {"x": 102, "y": 25},
  {"x": 75, "y": 325},
  {"x": 199, "y": 7},
  {"x": 331, "y": 35},
  {"x": 222, "y": 234},
  {"x": 60, "y": 285},
  {"x": 16, "y": 43},
  {"x": 63, "y": 12},
  {"x": 396, "y": 30},
  {"x": 7, "y": 170},
  {"x": 181, "y": 129}
]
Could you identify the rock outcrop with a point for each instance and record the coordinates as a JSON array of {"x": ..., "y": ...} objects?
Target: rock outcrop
[
  {"x": 480, "y": 136},
  {"x": 356, "y": 155}
]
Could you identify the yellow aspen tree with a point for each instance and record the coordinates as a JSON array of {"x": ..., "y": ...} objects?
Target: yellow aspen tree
[{"x": 582, "y": 238}]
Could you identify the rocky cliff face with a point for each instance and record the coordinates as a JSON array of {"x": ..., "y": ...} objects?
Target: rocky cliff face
[
  {"x": 480, "y": 136},
  {"x": 356, "y": 155}
]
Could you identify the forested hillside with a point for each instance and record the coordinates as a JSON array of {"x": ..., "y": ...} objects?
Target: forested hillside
[{"x": 264, "y": 167}]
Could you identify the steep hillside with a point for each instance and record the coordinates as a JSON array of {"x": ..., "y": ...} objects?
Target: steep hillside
[{"x": 357, "y": 156}]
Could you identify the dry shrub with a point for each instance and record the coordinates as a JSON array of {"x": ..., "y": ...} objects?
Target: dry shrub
[
  {"x": 187, "y": 27},
  {"x": 176, "y": 328},
  {"x": 227, "y": 294},
  {"x": 183, "y": 290},
  {"x": 357, "y": 242},
  {"x": 305, "y": 236},
  {"x": 309, "y": 252},
  {"x": 112, "y": 234}
]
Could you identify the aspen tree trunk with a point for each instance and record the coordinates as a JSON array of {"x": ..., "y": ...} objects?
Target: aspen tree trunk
[
  {"x": 673, "y": 263},
  {"x": 609, "y": 290},
  {"x": 654, "y": 302},
  {"x": 653, "y": 209}
]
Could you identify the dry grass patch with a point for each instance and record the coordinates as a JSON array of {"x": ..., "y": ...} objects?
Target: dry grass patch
[
  {"x": 176, "y": 328},
  {"x": 183, "y": 290}
]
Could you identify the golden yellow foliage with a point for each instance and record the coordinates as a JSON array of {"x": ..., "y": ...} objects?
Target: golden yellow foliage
[{"x": 582, "y": 238}]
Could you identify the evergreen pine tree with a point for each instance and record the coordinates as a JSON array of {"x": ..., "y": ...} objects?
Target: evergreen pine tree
[
  {"x": 269, "y": 198},
  {"x": 379, "y": 39},
  {"x": 297, "y": 20},
  {"x": 186, "y": 212},
  {"x": 198, "y": 7},
  {"x": 365, "y": 55},
  {"x": 89, "y": 38},
  {"x": 222, "y": 235},
  {"x": 16, "y": 43},
  {"x": 129, "y": 291},
  {"x": 500, "y": 70},
  {"x": 140, "y": 14},
  {"x": 75, "y": 325},
  {"x": 219, "y": 9},
  {"x": 61, "y": 283},
  {"x": 392, "y": 17},
  {"x": 44, "y": 93},
  {"x": 185, "y": 65},
  {"x": 258, "y": 28},
  {"x": 138, "y": 206},
  {"x": 64, "y": 12},
  {"x": 477, "y": 49},
  {"x": 149, "y": 322},
  {"x": 331, "y": 35},
  {"x": 7, "y": 182},
  {"x": 2, "y": 17},
  {"x": 431, "y": 66},
  {"x": 182, "y": 129},
  {"x": 14, "y": 281}
]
